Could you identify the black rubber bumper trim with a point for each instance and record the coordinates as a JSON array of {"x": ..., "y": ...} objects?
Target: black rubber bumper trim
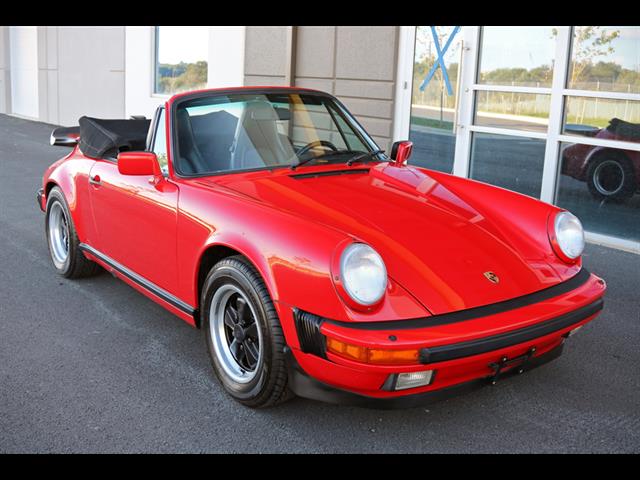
[
  {"x": 39, "y": 195},
  {"x": 308, "y": 331},
  {"x": 472, "y": 313},
  {"x": 514, "y": 337},
  {"x": 304, "y": 386}
]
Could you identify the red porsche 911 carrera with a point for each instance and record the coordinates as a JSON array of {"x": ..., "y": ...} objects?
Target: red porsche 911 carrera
[{"x": 315, "y": 263}]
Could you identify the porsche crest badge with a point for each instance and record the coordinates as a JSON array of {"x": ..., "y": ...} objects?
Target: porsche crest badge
[{"x": 492, "y": 277}]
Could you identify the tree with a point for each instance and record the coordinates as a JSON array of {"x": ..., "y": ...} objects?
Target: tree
[
  {"x": 182, "y": 76},
  {"x": 588, "y": 44}
]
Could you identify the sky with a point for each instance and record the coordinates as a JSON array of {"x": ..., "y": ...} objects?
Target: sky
[
  {"x": 529, "y": 47},
  {"x": 187, "y": 44}
]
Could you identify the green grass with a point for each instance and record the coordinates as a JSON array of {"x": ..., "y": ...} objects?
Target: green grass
[{"x": 430, "y": 122}]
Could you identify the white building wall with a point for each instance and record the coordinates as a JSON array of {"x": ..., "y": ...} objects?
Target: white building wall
[
  {"x": 24, "y": 71},
  {"x": 58, "y": 74},
  {"x": 139, "y": 96},
  {"x": 226, "y": 57},
  {"x": 91, "y": 76},
  {"x": 225, "y": 61},
  {"x": 5, "y": 79}
]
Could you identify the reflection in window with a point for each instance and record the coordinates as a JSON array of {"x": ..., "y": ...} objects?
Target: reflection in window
[
  {"x": 605, "y": 58},
  {"x": 602, "y": 118},
  {"x": 600, "y": 186},
  {"x": 509, "y": 162},
  {"x": 181, "y": 58},
  {"x": 432, "y": 109},
  {"x": 520, "y": 111},
  {"x": 528, "y": 60}
]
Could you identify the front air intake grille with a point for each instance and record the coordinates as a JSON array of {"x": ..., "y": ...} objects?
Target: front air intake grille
[{"x": 308, "y": 328}]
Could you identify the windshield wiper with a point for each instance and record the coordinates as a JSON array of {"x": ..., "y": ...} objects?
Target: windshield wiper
[
  {"x": 364, "y": 155},
  {"x": 359, "y": 155},
  {"x": 324, "y": 155}
]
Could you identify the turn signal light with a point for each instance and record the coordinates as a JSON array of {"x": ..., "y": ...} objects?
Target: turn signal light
[{"x": 371, "y": 355}]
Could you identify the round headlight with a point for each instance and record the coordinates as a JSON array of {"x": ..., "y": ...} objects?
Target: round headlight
[
  {"x": 569, "y": 234},
  {"x": 363, "y": 273}
]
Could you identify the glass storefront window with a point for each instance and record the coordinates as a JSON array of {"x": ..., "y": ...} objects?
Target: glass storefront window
[
  {"x": 602, "y": 118},
  {"x": 606, "y": 59},
  {"x": 520, "y": 111},
  {"x": 507, "y": 161},
  {"x": 433, "y": 107},
  {"x": 180, "y": 59},
  {"x": 527, "y": 62},
  {"x": 600, "y": 186}
]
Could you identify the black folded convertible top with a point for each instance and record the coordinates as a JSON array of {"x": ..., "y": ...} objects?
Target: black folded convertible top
[
  {"x": 627, "y": 130},
  {"x": 100, "y": 138}
]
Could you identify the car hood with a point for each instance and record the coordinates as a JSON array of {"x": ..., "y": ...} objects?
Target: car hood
[{"x": 438, "y": 241}]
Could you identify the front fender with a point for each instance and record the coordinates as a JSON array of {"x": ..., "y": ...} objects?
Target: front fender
[{"x": 292, "y": 254}]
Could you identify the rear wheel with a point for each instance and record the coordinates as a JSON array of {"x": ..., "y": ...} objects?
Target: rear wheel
[
  {"x": 243, "y": 334},
  {"x": 610, "y": 176},
  {"x": 64, "y": 246}
]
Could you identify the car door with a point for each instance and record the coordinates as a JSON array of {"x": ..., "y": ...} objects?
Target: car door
[{"x": 135, "y": 217}]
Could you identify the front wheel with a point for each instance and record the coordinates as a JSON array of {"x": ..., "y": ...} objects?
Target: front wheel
[{"x": 243, "y": 334}]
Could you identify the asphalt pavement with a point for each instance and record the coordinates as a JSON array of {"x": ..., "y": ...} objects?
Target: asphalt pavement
[{"x": 94, "y": 366}]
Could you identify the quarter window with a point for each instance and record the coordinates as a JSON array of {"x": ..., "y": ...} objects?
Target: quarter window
[{"x": 160, "y": 144}]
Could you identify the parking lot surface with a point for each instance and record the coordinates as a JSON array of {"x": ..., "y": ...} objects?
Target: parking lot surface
[{"x": 94, "y": 366}]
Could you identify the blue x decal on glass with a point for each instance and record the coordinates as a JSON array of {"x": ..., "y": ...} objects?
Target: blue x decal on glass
[{"x": 440, "y": 60}]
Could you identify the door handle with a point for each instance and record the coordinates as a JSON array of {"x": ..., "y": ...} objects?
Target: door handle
[{"x": 95, "y": 180}]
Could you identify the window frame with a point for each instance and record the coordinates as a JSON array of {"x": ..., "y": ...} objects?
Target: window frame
[
  {"x": 155, "y": 43},
  {"x": 360, "y": 132},
  {"x": 464, "y": 124},
  {"x": 153, "y": 134},
  {"x": 558, "y": 92}
]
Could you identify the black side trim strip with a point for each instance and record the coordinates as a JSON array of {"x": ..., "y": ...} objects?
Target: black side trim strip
[
  {"x": 143, "y": 282},
  {"x": 330, "y": 173},
  {"x": 475, "y": 312},
  {"x": 487, "y": 344}
]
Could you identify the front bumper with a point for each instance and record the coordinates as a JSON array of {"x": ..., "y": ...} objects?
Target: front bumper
[
  {"x": 305, "y": 386},
  {"x": 40, "y": 199},
  {"x": 461, "y": 348}
]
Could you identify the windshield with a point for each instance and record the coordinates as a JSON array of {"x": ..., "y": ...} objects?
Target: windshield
[{"x": 250, "y": 131}]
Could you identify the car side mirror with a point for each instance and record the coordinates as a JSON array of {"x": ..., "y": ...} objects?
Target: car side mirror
[
  {"x": 138, "y": 163},
  {"x": 401, "y": 151}
]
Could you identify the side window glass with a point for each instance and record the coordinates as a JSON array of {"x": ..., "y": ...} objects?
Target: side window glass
[{"x": 160, "y": 144}]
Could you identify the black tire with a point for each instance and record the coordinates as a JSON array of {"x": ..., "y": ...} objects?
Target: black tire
[
  {"x": 610, "y": 176},
  {"x": 268, "y": 387},
  {"x": 76, "y": 265}
]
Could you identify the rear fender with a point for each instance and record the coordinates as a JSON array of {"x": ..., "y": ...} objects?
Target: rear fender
[{"x": 71, "y": 175}]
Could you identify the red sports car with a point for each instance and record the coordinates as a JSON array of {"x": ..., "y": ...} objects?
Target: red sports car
[
  {"x": 611, "y": 174},
  {"x": 314, "y": 263}
]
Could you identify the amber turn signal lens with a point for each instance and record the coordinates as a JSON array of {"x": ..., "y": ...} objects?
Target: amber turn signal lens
[{"x": 371, "y": 355}]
